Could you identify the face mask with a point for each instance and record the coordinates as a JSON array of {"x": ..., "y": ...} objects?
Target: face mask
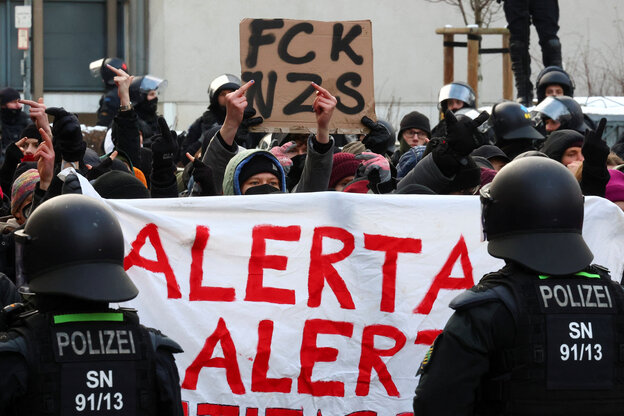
[
  {"x": 262, "y": 190},
  {"x": 10, "y": 114}
]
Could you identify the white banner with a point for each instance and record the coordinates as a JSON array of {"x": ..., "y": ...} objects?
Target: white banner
[{"x": 312, "y": 304}]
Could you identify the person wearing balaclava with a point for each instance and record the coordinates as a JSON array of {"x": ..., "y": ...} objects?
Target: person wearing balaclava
[
  {"x": 12, "y": 119},
  {"x": 144, "y": 98}
]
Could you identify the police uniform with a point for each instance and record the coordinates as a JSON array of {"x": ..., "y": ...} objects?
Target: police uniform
[
  {"x": 108, "y": 107},
  {"x": 87, "y": 363},
  {"x": 529, "y": 344},
  {"x": 545, "y": 334},
  {"x": 69, "y": 354}
]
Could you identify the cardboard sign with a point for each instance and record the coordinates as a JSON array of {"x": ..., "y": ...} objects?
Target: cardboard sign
[
  {"x": 284, "y": 56},
  {"x": 316, "y": 303}
]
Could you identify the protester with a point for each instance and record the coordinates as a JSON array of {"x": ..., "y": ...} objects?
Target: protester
[{"x": 12, "y": 119}]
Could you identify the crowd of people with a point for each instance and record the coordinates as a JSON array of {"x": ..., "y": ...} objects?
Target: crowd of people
[{"x": 219, "y": 155}]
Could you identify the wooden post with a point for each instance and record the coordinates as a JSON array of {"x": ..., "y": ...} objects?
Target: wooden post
[
  {"x": 507, "y": 73},
  {"x": 37, "y": 51},
  {"x": 111, "y": 28},
  {"x": 449, "y": 63},
  {"x": 473, "y": 63}
]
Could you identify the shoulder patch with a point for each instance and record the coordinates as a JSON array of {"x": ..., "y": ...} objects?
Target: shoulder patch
[
  {"x": 428, "y": 356},
  {"x": 160, "y": 340},
  {"x": 470, "y": 298}
]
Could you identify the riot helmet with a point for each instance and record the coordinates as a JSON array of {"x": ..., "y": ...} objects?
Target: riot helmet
[
  {"x": 553, "y": 75},
  {"x": 99, "y": 69},
  {"x": 512, "y": 121},
  {"x": 532, "y": 213},
  {"x": 73, "y": 246},
  {"x": 220, "y": 83},
  {"x": 458, "y": 91},
  {"x": 141, "y": 86},
  {"x": 563, "y": 109}
]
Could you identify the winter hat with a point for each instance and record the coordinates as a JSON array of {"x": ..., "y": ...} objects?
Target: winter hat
[
  {"x": 257, "y": 164},
  {"x": 615, "y": 186},
  {"x": 355, "y": 147},
  {"x": 415, "y": 120},
  {"x": 559, "y": 141},
  {"x": 23, "y": 167},
  {"x": 120, "y": 185},
  {"x": 345, "y": 164},
  {"x": 22, "y": 187},
  {"x": 7, "y": 95},
  {"x": 489, "y": 151},
  {"x": 32, "y": 132}
]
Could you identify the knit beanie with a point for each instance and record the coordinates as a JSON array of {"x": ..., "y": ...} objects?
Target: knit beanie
[
  {"x": 7, "y": 95},
  {"x": 258, "y": 163},
  {"x": 413, "y": 120},
  {"x": 32, "y": 132},
  {"x": 22, "y": 187},
  {"x": 345, "y": 164},
  {"x": 355, "y": 147},
  {"x": 559, "y": 141},
  {"x": 615, "y": 186},
  {"x": 116, "y": 184}
]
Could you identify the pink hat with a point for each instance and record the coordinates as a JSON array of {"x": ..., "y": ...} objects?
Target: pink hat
[{"x": 615, "y": 186}]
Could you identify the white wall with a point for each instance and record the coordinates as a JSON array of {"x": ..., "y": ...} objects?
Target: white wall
[{"x": 193, "y": 41}]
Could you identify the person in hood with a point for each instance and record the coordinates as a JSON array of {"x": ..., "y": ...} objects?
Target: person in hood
[{"x": 12, "y": 119}]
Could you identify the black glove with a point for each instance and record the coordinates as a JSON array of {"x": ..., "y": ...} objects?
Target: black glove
[
  {"x": 99, "y": 170},
  {"x": 460, "y": 134},
  {"x": 377, "y": 139},
  {"x": 248, "y": 121},
  {"x": 67, "y": 135},
  {"x": 202, "y": 174},
  {"x": 595, "y": 150},
  {"x": 71, "y": 185},
  {"x": 164, "y": 150},
  {"x": 447, "y": 160},
  {"x": 13, "y": 155}
]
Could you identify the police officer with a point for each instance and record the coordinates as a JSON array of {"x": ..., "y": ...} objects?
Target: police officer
[
  {"x": 453, "y": 97},
  {"x": 543, "y": 335},
  {"x": 553, "y": 81},
  {"x": 109, "y": 102},
  {"x": 557, "y": 113},
  {"x": 513, "y": 128},
  {"x": 73, "y": 354},
  {"x": 544, "y": 15}
]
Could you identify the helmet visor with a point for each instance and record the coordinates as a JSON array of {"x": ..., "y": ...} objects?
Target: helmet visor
[
  {"x": 21, "y": 239},
  {"x": 550, "y": 108},
  {"x": 95, "y": 67},
  {"x": 150, "y": 83},
  {"x": 457, "y": 92}
]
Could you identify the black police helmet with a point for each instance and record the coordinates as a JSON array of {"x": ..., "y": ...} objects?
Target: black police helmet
[
  {"x": 511, "y": 120},
  {"x": 532, "y": 213},
  {"x": 73, "y": 246},
  {"x": 552, "y": 75},
  {"x": 107, "y": 74}
]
